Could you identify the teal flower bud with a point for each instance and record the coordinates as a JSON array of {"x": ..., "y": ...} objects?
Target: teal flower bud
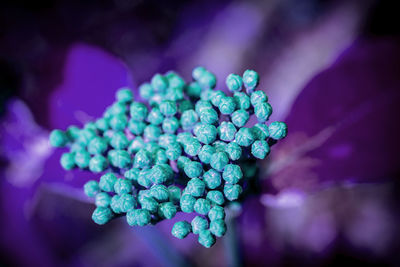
[
  {"x": 72, "y": 132},
  {"x": 232, "y": 173},
  {"x": 202, "y": 206},
  {"x": 136, "y": 127},
  {"x": 205, "y": 154},
  {"x": 102, "y": 124},
  {"x": 166, "y": 139},
  {"x": 167, "y": 210},
  {"x": 218, "y": 227},
  {"x": 277, "y": 130},
  {"x": 58, "y": 138},
  {"x": 159, "y": 83},
  {"x": 118, "y": 122},
  {"x": 174, "y": 193},
  {"x": 192, "y": 147},
  {"x": 168, "y": 108},
  {"x": 152, "y": 148},
  {"x": 196, "y": 187},
  {"x": 119, "y": 158},
  {"x": 260, "y": 131},
  {"x": 184, "y": 105},
  {"x": 212, "y": 179},
  {"x": 149, "y": 203},
  {"x": 132, "y": 174},
  {"x": 202, "y": 105},
  {"x": 198, "y": 72},
  {"x": 227, "y": 105},
  {"x": 85, "y": 136},
  {"x": 119, "y": 140},
  {"x": 205, "y": 133},
  {"x": 189, "y": 119},
  {"x": 240, "y": 117},
  {"x": 173, "y": 151},
  {"x": 219, "y": 161},
  {"x": 91, "y": 188},
  {"x": 220, "y": 146},
  {"x": 242, "y": 100},
  {"x": 234, "y": 82},
  {"x": 136, "y": 145},
  {"x": 82, "y": 159},
  {"x": 159, "y": 193},
  {"x": 155, "y": 117},
  {"x": 232, "y": 192},
  {"x": 174, "y": 94},
  {"x": 127, "y": 202},
  {"x": 216, "y": 197},
  {"x": 207, "y": 80},
  {"x": 216, "y": 213},
  {"x": 234, "y": 151},
  {"x": 250, "y": 80},
  {"x": 138, "y": 217},
  {"x": 187, "y": 202},
  {"x": 206, "y": 238},
  {"x": 193, "y": 169},
  {"x": 161, "y": 157},
  {"x": 208, "y": 116},
  {"x": 102, "y": 200},
  {"x": 263, "y": 111},
  {"x": 216, "y": 97},
  {"x": 124, "y": 95},
  {"x": 102, "y": 215},
  {"x": 258, "y": 97},
  {"x": 142, "y": 159},
  {"x": 98, "y": 164},
  {"x": 67, "y": 161},
  {"x": 138, "y": 111},
  {"x": 193, "y": 90},
  {"x": 260, "y": 149},
  {"x": 181, "y": 229},
  {"x": 117, "y": 108},
  {"x": 122, "y": 186},
  {"x": 146, "y": 91},
  {"x": 170, "y": 125},
  {"x": 181, "y": 162},
  {"x": 183, "y": 137},
  {"x": 199, "y": 224},
  {"x": 144, "y": 178},
  {"x": 227, "y": 131},
  {"x": 115, "y": 204},
  {"x": 107, "y": 182},
  {"x": 97, "y": 145},
  {"x": 152, "y": 132},
  {"x": 174, "y": 80},
  {"x": 244, "y": 137}
]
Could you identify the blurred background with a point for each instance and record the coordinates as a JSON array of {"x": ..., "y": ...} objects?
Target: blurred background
[{"x": 329, "y": 192}]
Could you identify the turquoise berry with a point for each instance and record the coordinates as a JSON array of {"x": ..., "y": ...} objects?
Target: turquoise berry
[
  {"x": 118, "y": 122},
  {"x": 192, "y": 147},
  {"x": 107, "y": 182},
  {"x": 138, "y": 111},
  {"x": 218, "y": 227},
  {"x": 220, "y": 146},
  {"x": 187, "y": 202},
  {"x": 127, "y": 202},
  {"x": 198, "y": 224},
  {"x": 258, "y": 97},
  {"x": 234, "y": 151},
  {"x": 260, "y": 149},
  {"x": 159, "y": 83},
  {"x": 208, "y": 115},
  {"x": 189, "y": 119},
  {"x": 193, "y": 90},
  {"x": 196, "y": 187},
  {"x": 227, "y": 105},
  {"x": 136, "y": 127},
  {"x": 260, "y": 131},
  {"x": 98, "y": 164},
  {"x": 152, "y": 132},
  {"x": 244, "y": 137},
  {"x": 216, "y": 213},
  {"x": 173, "y": 151},
  {"x": 227, "y": 131},
  {"x": 174, "y": 94},
  {"x": 174, "y": 80},
  {"x": 149, "y": 203},
  {"x": 155, "y": 116},
  {"x": 146, "y": 91},
  {"x": 85, "y": 136},
  {"x": 216, "y": 97},
  {"x": 277, "y": 130},
  {"x": 102, "y": 124},
  {"x": 232, "y": 173},
  {"x": 205, "y": 154},
  {"x": 58, "y": 138},
  {"x": 206, "y": 94},
  {"x": 216, "y": 197},
  {"x": 202, "y": 206},
  {"x": 250, "y": 80},
  {"x": 168, "y": 108},
  {"x": 116, "y": 204},
  {"x": 201, "y": 105},
  {"x": 136, "y": 144},
  {"x": 161, "y": 173},
  {"x": 159, "y": 192},
  {"x": 143, "y": 159},
  {"x": 205, "y": 133},
  {"x": 166, "y": 139},
  {"x": 91, "y": 188},
  {"x": 118, "y": 108},
  {"x": 263, "y": 111},
  {"x": 181, "y": 229},
  {"x": 234, "y": 82},
  {"x": 174, "y": 193},
  {"x": 102, "y": 200},
  {"x": 102, "y": 215},
  {"x": 119, "y": 140},
  {"x": 132, "y": 174},
  {"x": 97, "y": 145},
  {"x": 119, "y": 158},
  {"x": 212, "y": 179},
  {"x": 232, "y": 191},
  {"x": 161, "y": 157},
  {"x": 138, "y": 217},
  {"x": 167, "y": 210},
  {"x": 198, "y": 72},
  {"x": 170, "y": 125},
  {"x": 193, "y": 169},
  {"x": 124, "y": 95},
  {"x": 219, "y": 160},
  {"x": 240, "y": 117},
  {"x": 184, "y": 105},
  {"x": 207, "y": 80},
  {"x": 181, "y": 162},
  {"x": 72, "y": 132},
  {"x": 206, "y": 238},
  {"x": 82, "y": 159},
  {"x": 67, "y": 161},
  {"x": 123, "y": 186},
  {"x": 242, "y": 100}
]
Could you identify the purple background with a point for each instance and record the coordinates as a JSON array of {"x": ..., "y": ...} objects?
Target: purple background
[{"x": 328, "y": 192}]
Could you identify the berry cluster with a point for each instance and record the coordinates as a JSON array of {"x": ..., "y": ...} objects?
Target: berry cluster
[{"x": 184, "y": 151}]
